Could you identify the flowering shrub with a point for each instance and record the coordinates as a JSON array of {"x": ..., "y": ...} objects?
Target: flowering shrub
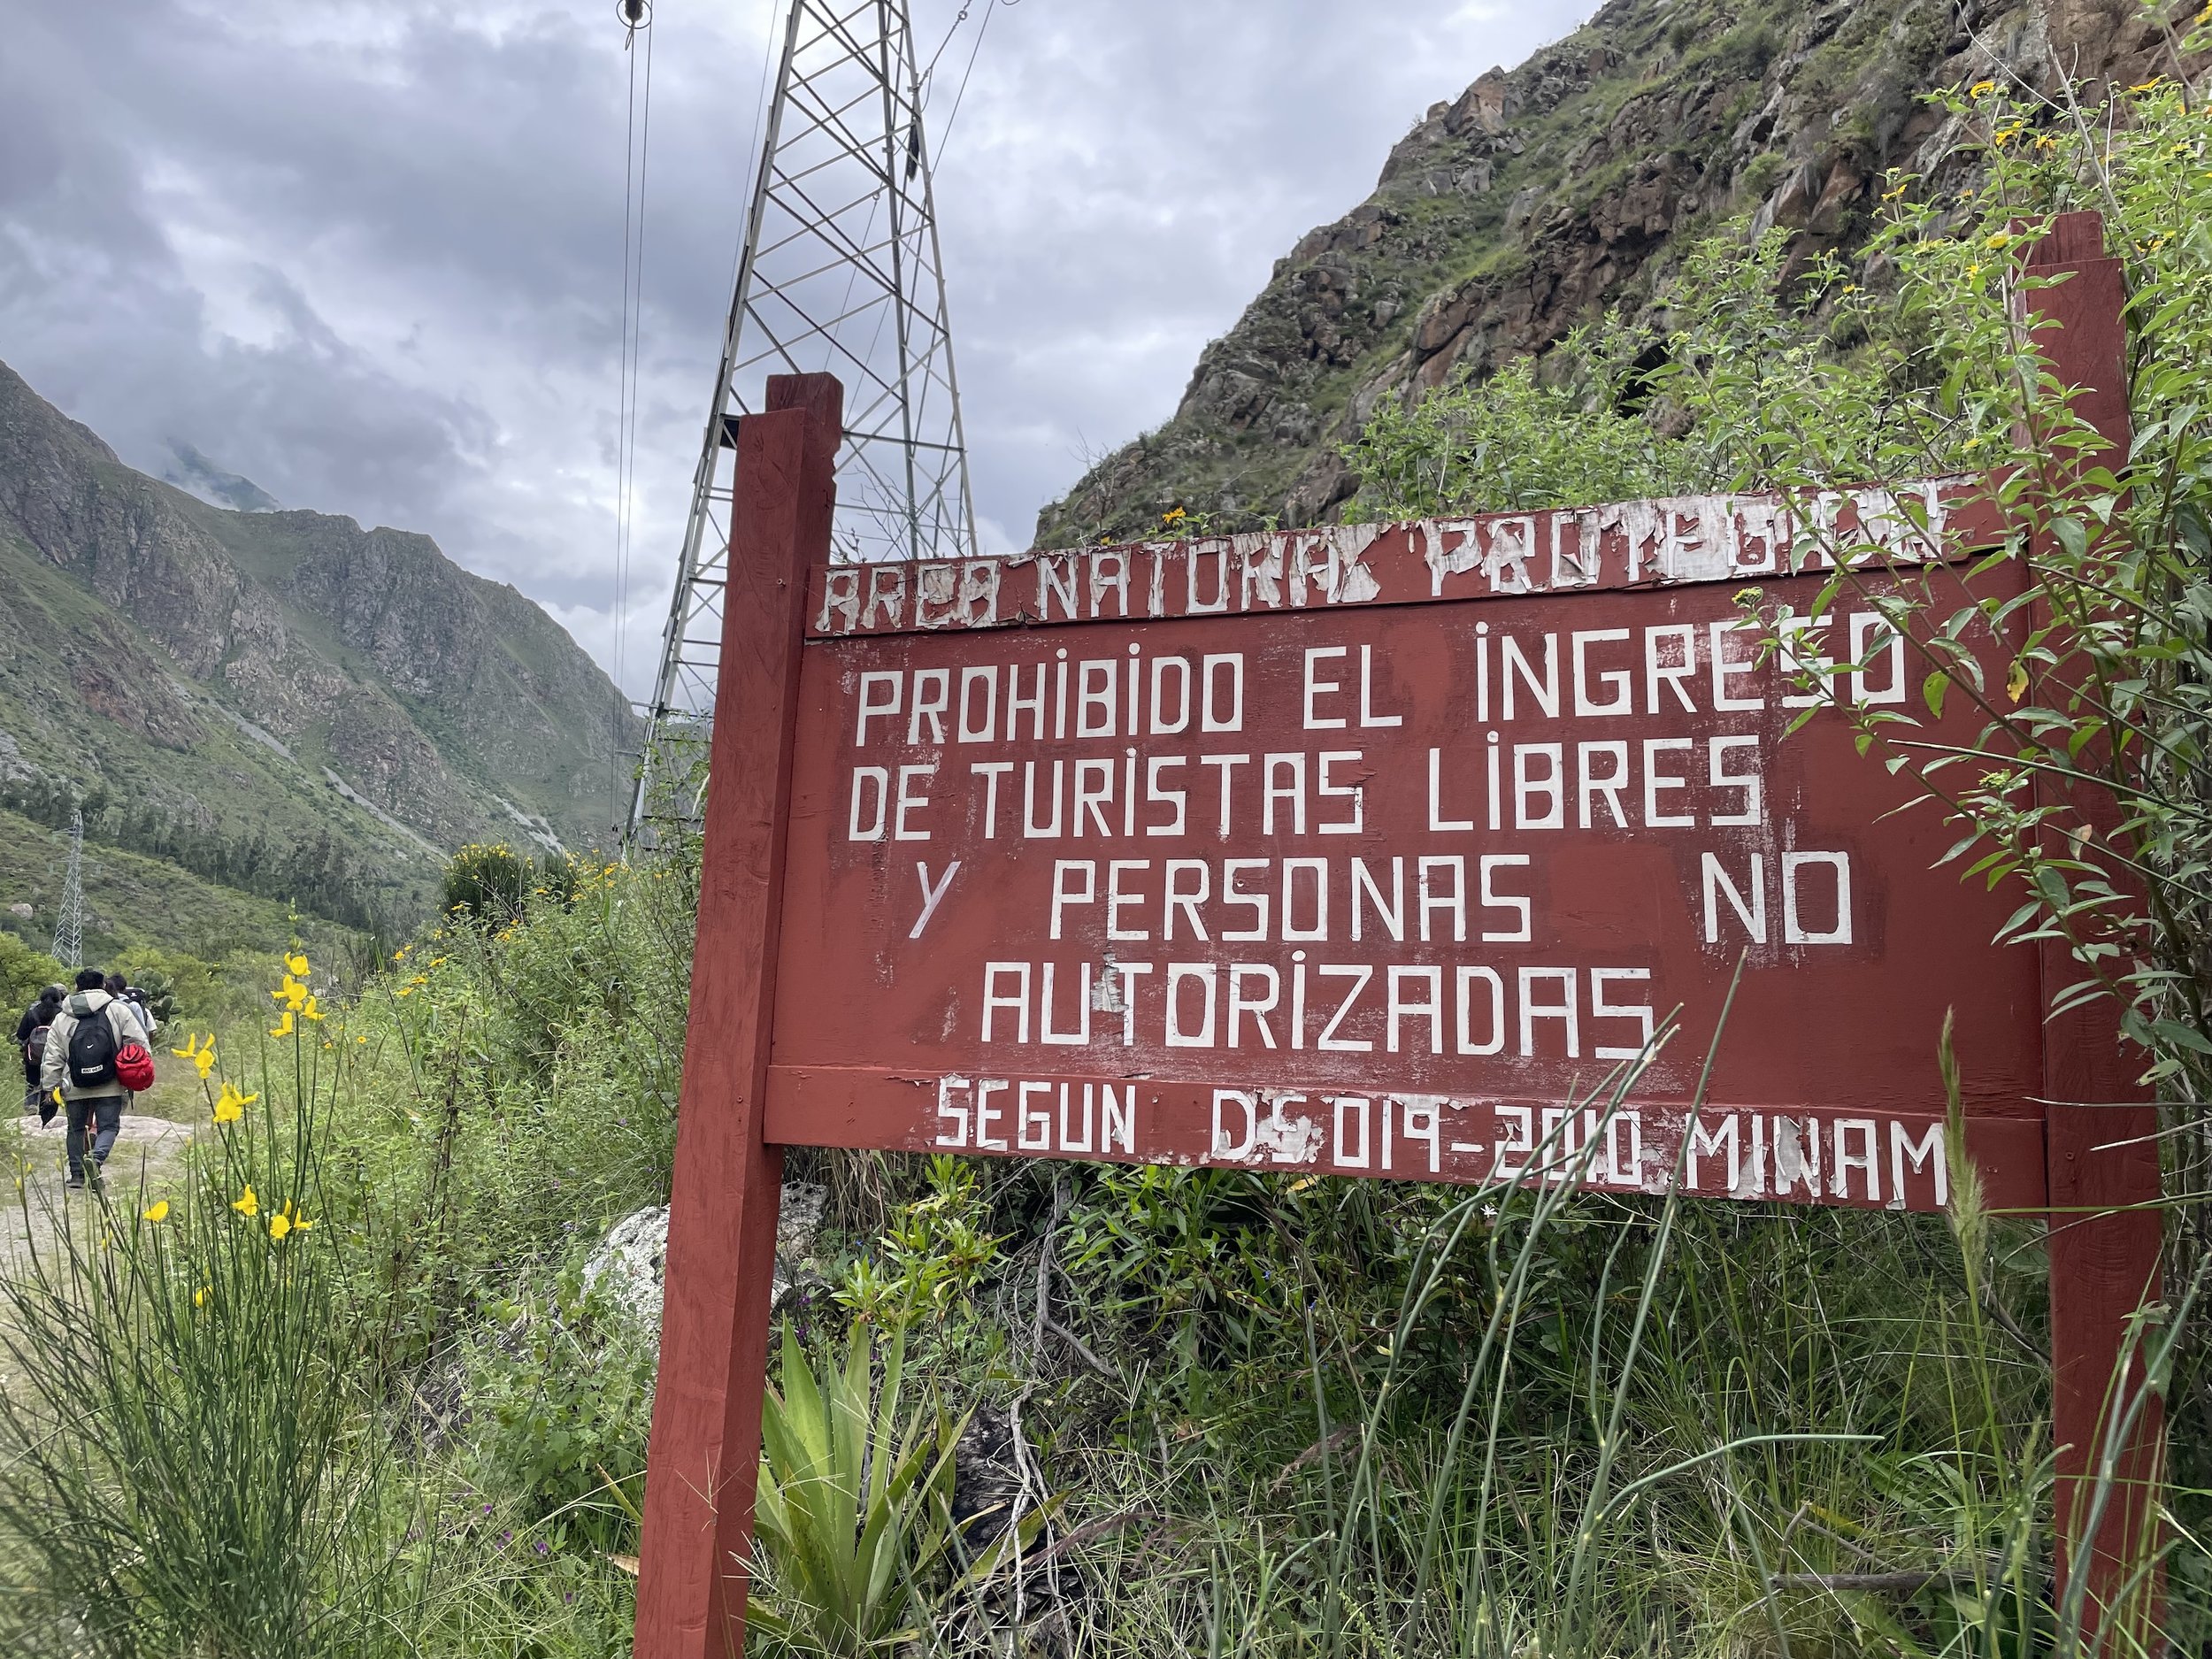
[
  {"x": 190, "y": 1455},
  {"x": 487, "y": 881}
]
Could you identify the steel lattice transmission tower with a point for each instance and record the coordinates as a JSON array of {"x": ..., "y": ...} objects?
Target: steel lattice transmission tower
[
  {"x": 840, "y": 271},
  {"x": 69, "y": 923}
]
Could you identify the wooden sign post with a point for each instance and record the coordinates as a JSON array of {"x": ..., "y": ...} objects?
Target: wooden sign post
[
  {"x": 2101, "y": 1135},
  {"x": 1361, "y": 850},
  {"x": 703, "y": 1458}
]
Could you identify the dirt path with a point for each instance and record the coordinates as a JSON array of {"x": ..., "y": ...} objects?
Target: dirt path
[{"x": 148, "y": 1148}]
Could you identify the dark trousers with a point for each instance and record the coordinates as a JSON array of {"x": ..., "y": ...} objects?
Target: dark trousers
[{"x": 105, "y": 1113}]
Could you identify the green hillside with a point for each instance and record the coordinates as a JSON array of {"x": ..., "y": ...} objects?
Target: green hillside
[{"x": 279, "y": 706}]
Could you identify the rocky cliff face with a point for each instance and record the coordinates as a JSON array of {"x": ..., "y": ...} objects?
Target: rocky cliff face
[
  {"x": 1542, "y": 197},
  {"x": 281, "y": 672}
]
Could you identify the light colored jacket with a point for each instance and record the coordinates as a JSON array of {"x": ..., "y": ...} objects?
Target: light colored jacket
[{"x": 122, "y": 1019}]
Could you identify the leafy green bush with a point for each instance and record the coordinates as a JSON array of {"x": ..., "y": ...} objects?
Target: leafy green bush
[
  {"x": 932, "y": 1253},
  {"x": 514, "y": 1090},
  {"x": 1760, "y": 174},
  {"x": 23, "y": 974},
  {"x": 1517, "y": 441},
  {"x": 562, "y": 1391}
]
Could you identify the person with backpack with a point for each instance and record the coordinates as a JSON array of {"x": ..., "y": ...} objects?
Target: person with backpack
[
  {"x": 96, "y": 1053},
  {"x": 30, "y": 1042},
  {"x": 124, "y": 991}
]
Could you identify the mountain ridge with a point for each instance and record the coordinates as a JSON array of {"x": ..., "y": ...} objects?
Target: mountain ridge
[
  {"x": 285, "y": 673},
  {"x": 1541, "y": 197}
]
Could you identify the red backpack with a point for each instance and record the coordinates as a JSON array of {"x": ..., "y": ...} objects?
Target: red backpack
[{"x": 135, "y": 1068}]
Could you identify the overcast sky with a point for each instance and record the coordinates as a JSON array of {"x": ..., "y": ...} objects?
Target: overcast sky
[{"x": 368, "y": 253}]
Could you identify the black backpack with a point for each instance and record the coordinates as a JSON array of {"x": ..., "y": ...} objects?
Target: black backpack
[
  {"x": 92, "y": 1051},
  {"x": 34, "y": 1050}
]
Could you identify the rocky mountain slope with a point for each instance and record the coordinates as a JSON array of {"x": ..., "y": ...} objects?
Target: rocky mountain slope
[
  {"x": 1541, "y": 198},
  {"x": 251, "y": 692}
]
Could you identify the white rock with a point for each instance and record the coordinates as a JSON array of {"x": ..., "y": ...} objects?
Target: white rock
[{"x": 630, "y": 1266}]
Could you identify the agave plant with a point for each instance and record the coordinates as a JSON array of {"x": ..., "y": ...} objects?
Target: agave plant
[{"x": 854, "y": 1512}]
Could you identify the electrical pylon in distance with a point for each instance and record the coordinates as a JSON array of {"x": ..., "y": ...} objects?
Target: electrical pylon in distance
[
  {"x": 840, "y": 271},
  {"x": 69, "y": 920}
]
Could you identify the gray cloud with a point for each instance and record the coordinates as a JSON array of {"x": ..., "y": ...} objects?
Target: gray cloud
[{"x": 370, "y": 255}]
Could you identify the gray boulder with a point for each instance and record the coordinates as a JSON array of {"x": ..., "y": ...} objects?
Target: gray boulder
[{"x": 630, "y": 1266}]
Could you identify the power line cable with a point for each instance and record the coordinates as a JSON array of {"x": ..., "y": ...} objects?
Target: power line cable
[
  {"x": 990, "y": 9},
  {"x": 637, "y": 19},
  {"x": 637, "y": 323}
]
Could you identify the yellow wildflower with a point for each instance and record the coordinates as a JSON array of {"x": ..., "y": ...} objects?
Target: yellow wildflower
[
  {"x": 230, "y": 1105},
  {"x": 404, "y": 990},
  {"x": 1173, "y": 515},
  {"x": 199, "y": 1297},
  {"x": 1980, "y": 87},
  {"x": 292, "y": 994},
  {"x": 159, "y": 1210},
  {"x": 309, "y": 1010},
  {"x": 2002, "y": 239},
  {"x": 296, "y": 964},
  {"x": 283, "y": 1027},
  {"x": 200, "y": 1051},
  {"x": 247, "y": 1204},
  {"x": 278, "y": 1225},
  {"x": 2151, "y": 85}
]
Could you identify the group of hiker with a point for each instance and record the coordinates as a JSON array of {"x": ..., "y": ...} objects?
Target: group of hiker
[{"x": 86, "y": 1052}]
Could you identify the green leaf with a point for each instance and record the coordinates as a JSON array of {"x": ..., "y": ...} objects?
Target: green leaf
[{"x": 2173, "y": 1031}]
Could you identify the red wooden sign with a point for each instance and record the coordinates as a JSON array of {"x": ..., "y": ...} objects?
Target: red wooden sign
[
  {"x": 1382, "y": 851},
  {"x": 1390, "y": 876}
]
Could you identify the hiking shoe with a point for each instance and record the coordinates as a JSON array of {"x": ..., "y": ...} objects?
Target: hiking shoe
[{"x": 75, "y": 1183}]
